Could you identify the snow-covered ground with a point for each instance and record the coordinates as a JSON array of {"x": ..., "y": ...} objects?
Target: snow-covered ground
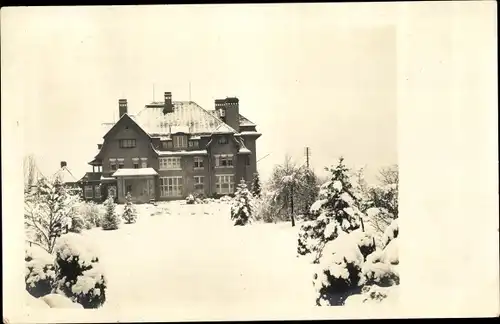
[{"x": 189, "y": 256}]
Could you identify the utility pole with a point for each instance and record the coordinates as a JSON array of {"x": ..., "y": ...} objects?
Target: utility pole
[{"x": 308, "y": 153}]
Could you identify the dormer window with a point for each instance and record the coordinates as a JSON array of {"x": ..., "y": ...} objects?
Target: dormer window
[
  {"x": 180, "y": 141},
  {"x": 223, "y": 140},
  {"x": 222, "y": 112},
  {"x": 194, "y": 144}
]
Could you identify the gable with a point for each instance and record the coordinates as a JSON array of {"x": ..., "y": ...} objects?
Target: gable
[{"x": 123, "y": 126}]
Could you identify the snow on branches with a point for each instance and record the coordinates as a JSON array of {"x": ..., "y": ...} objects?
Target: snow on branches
[
  {"x": 49, "y": 209},
  {"x": 334, "y": 212},
  {"x": 242, "y": 209},
  {"x": 110, "y": 221},
  {"x": 129, "y": 211}
]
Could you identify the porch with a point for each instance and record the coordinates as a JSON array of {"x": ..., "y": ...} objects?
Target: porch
[{"x": 139, "y": 182}]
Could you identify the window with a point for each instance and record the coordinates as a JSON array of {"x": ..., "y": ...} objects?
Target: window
[
  {"x": 144, "y": 162},
  {"x": 170, "y": 163},
  {"x": 224, "y": 161},
  {"x": 112, "y": 164},
  {"x": 199, "y": 183},
  {"x": 97, "y": 190},
  {"x": 198, "y": 162},
  {"x": 167, "y": 145},
  {"x": 127, "y": 143},
  {"x": 194, "y": 144},
  {"x": 135, "y": 161},
  {"x": 88, "y": 192},
  {"x": 180, "y": 141},
  {"x": 171, "y": 186},
  {"x": 223, "y": 140},
  {"x": 129, "y": 189},
  {"x": 121, "y": 163},
  {"x": 224, "y": 183}
]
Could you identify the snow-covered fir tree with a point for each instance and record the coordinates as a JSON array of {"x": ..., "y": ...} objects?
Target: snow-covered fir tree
[
  {"x": 110, "y": 221},
  {"x": 256, "y": 186},
  {"x": 336, "y": 211},
  {"x": 241, "y": 210},
  {"x": 129, "y": 211}
]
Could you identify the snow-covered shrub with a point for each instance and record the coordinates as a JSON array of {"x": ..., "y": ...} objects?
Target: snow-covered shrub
[
  {"x": 47, "y": 212},
  {"x": 266, "y": 210},
  {"x": 381, "y": 266},
  {"x": 110, "y": 221},
  {"x": 77, "y": 223},
  {"x": 225, "y": 199},
  {"x": 190, "y": 200},
  {"x": 377, "y": 272},
  {"x": 366, "y": 242},
  {"x": 40, "y": 272},
  {"x": 339, "y": 274},
  {"x": 91, "y": 214},
  {"x": 129, "y": 211},
  {"x": 242, "y": 209},
  {"x": 390, "y": 233},
  {"x": 78, "y": 274},
  {"x": 59, "y": 301},
  {"x": 374, "y": 295}
]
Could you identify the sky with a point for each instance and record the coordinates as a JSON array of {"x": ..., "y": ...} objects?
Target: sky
[{"x": 322, "y": 76}]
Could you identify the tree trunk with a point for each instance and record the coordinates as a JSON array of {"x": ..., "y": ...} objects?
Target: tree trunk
[{"x": 291, "y": 204}]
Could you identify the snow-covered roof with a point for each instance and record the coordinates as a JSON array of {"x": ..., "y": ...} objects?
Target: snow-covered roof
[
  {"x": 250, "y": 133},
  {"x": 186, "y": 116},
  {"x": 134, "y": 172},
  {"x": 107, "y": 178},
  {"x": 245, "y": 121},
  {"x": 65, "y": 175},
  {"x": 179, "y": 129},
  {"x": 177, "y": 153},
  {"x": 244, "y": 150}
]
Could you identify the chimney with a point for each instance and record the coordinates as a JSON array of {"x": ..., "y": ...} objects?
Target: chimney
[
  {"x": 168, "y": 103},
  {"x": 122, "y": 107},
  {"x": 220, "y": 108},
  {"x": 233, "y": 113},
  {"x": 63, "y": 164}
]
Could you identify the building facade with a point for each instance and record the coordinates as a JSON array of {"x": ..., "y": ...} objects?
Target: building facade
[{"x": 172, "y": 149}]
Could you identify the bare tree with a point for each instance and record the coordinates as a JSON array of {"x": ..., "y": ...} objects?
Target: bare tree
[
  {"x": 380, "y": 202},
  {"x": 389, "y": 175},
  {"x": 29, "y": 170}
]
